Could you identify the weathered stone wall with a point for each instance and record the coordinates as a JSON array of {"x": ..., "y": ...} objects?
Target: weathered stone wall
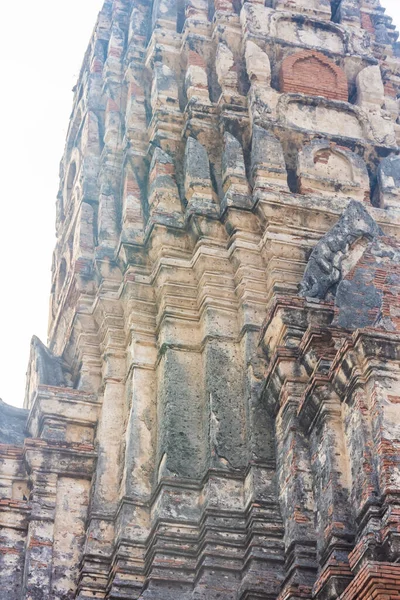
[{"x": 215, "y": 415}]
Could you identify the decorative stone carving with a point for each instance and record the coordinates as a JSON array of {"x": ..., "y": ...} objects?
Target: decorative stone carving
[
  {"x": 324, "y": 270},
  {"x": 132, "y": 209},
  {"x": 325, "y": 36},
  {"x": 91, "y": 142},
  {"x": 136, "y": 111},
  {"x": 371, "y": 98},
  {"x": 262, "y": 97},
  {"x": 116, "y": 47},
  {"x": 164, "y": 14},
  {"x": 325, "y": 116},
  {"x": 347, "y": 12},
  {"x": 108, "y": 229}
]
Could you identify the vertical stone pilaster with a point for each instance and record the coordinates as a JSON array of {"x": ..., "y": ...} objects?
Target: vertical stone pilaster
[{"x": 40, "y": 539}]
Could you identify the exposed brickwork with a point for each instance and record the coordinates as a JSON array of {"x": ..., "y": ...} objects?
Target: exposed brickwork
[
  {"x": 390, "y": 89},
  {"x": 312, "y": 73},
  {"x": 195, "y": 59},
  {"x": 375, "y": 581},
  {"x": 380, "y": 278},
  {"x": 366, "y": 22}
]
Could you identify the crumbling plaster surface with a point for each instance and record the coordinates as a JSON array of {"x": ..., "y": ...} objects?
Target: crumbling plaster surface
[{"x": 216, "y": 413}]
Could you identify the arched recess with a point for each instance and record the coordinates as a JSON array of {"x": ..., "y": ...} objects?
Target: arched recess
[
  {"x": 326, "y": 169},
  {"x": 310, "y": 72}
]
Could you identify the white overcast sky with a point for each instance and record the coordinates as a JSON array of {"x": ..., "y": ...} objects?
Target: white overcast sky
[{"x": 41, "y": 49}]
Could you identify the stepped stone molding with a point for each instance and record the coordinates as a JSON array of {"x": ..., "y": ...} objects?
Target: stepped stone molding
[{"x": 216, "y": 412}]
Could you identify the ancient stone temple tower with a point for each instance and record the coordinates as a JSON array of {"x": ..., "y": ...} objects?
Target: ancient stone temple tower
[{"x": 217, "y": 412}]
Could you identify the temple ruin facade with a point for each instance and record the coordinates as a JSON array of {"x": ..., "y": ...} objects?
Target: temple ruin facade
[{"x": 216, "y": 414}]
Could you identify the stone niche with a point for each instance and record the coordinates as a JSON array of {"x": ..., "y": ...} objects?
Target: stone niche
[
  {"x": 310, "y": 72},
  {"x": 326, "y": 169}
]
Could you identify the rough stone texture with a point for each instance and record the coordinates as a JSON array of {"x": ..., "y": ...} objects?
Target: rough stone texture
[
  {"x": 334, "y": 251},
  {"x": 216, "y": 415},
  {"x": 327, "y": 169},
  {"x": 12, "y": 424},
  {"x": 389, "y": 182}
]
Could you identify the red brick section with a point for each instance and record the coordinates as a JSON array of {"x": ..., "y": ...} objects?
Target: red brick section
[
  {"x": 195, "y": 59},
  {"x": 11, "y": 451},
  {"x": 389, "y": 89},
  {"x": 310, "y": 72},
  {"x": 366, "y": 22},
  {"x": 375, "y": 581},
  {"x": 384, "y": 278}
]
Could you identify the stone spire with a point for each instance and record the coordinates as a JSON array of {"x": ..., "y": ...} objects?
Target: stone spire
[{"x": 216, "y": 414}]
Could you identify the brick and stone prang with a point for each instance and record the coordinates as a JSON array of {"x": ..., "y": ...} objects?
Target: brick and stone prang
[{"x": 216, "y": 414}]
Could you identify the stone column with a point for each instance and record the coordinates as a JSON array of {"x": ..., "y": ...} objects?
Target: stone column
[{"x": 40, "y": 539}]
